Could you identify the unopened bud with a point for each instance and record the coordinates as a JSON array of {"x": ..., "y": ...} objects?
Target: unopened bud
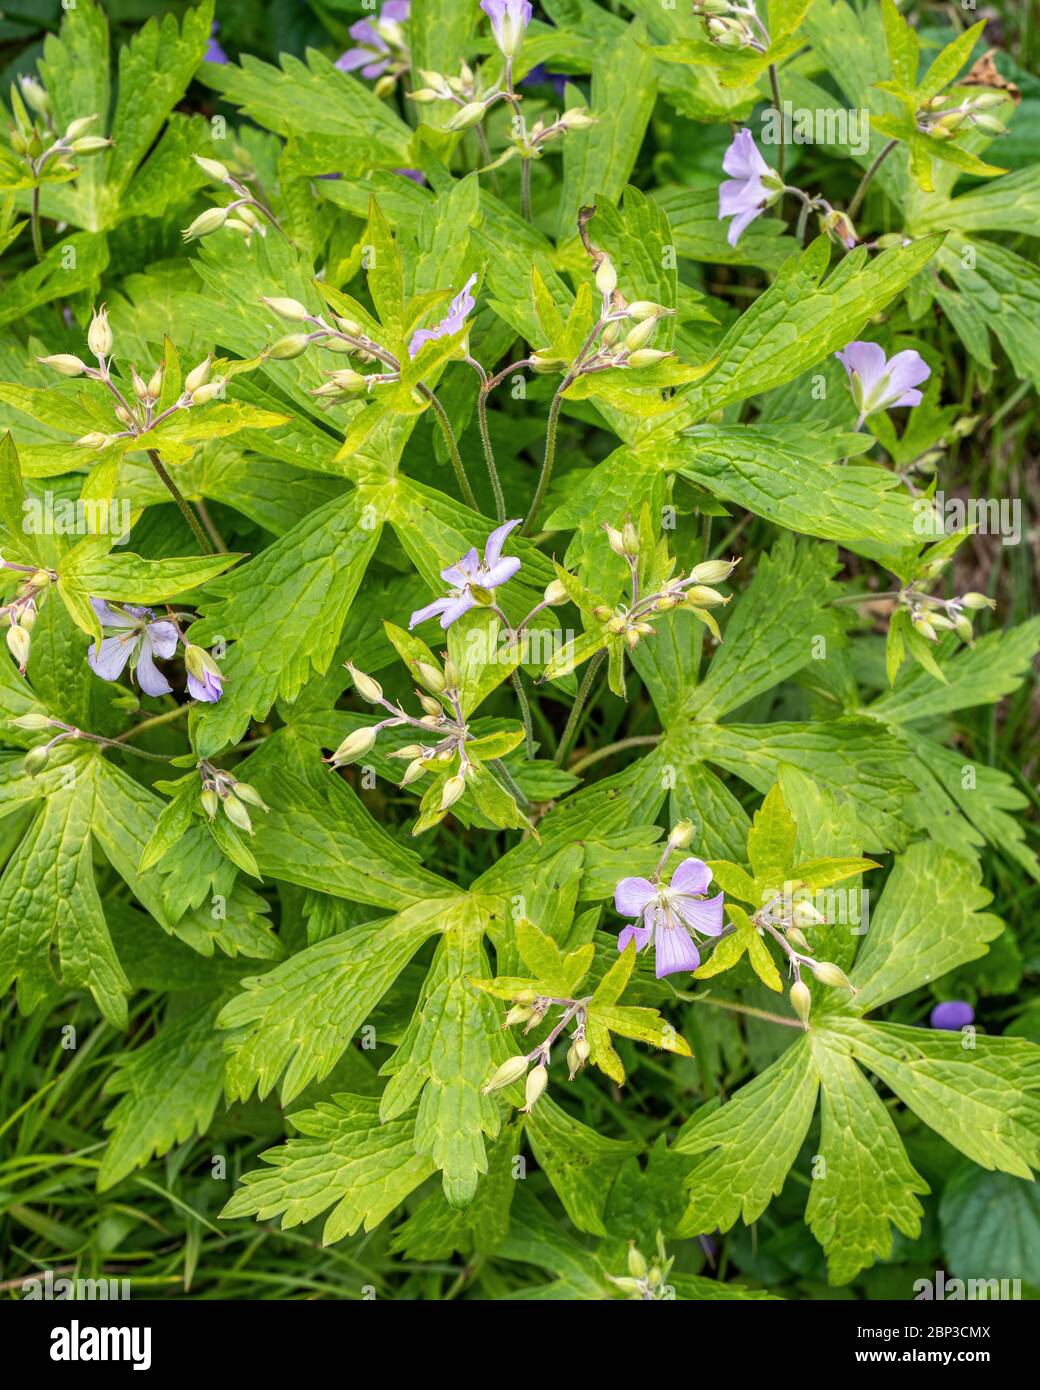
[
  {"x": 415, "y": 769},
  {"x": 94, "y": 440},
  {"x": 64, "y": 363},
  {"x": 365, "y": 686},
  {"x": 965, "y": 631},
  {"x": 453, "y": 789},
  {"x": 99, "y": 334},
  {"x": 209, "y": 221},
  {"x": 630, "y": 540},
  {"x": 682, "y": 834},
  {"x": 237, "y": 813},
  {"x": 602, "y": 613},
  {"x": 508, "y": 1072},
  {"x": 245, "y": 792},
  {"x": 36, "y": 760},
  {"x": 924, "y": 627},
  {"x": 469, "y": 115},
  {"x": 346, "y": 379},
  {"x": 210, "y": 801},
  {"x": 537, "y": 1080},
  {"x": 701, "y": 597},
  {"x": 801, "y": 1000},
  {"x": 616, "y": 540},
  {"x": 212, "y": 391},
  {"x": 519, "y": 1013},
  {"x": 90, "y": 144},
  {"x": 19, "y": 644},
  {"x": 578, "y": 118},
  {"x": 30, "y": 723},
  {"x": 712, "y": 571},
  {"x": 639, "y": 336},
  {"x": 648, "y": 357},
  {"x": 155, "y": 383},
  {"x": 292, "y": 345},
  {"x": 974, "y": 601},
  {"x": 431, "y": 677},
  {"x": 431, "y": 706},
  {"x": 198, "y": 375},
  {"x": 606, "y": 276},
  {"x": 832, "y": 975},
  {"x": 290, "y": 309},
  {"x": 555, "y": 594},
  {"x": 637, "y": 1265},
  {"x": 805, "y": 915},
  {"x": 354, "y": 746}
]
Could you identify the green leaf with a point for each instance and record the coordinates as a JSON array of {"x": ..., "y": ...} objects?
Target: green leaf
[
  {"x": 863, "y": 1182},
  {"x": 580, "y": 1163},
  {"x": 169, "y": 1089},
  {"x": 344, "y": 1155}
]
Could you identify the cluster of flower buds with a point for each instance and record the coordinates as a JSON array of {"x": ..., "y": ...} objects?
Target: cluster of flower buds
[
  {"x": 732, "y": 25},
  {"x": 343, "y": 335},
  {"x": 693, "y": 592},
  {"x": 530, "y": 1008},
  {"x": 646, "y": 1281},
  {"x": 444, "y": 729},
  {"x": 135, "y": 411},
  {"x": 626, "y": 329},
  {"x": 784, "y": 917},
  {"x": 19, "y": 614},
  {"x": 36, "y": 759},
  {"x": 220, "y": 790},
  {"x": 245, "y": 214},
  {"x": 930, "y": 616},
  {"x": 35, "y": 139},
  {"x": 943, "y": 122}
]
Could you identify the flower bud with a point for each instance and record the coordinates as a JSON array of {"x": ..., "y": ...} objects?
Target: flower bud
[
  {"x": 453, "y": 789},
  {"x": 431, "y": 706},
  {"x": 431, "y": 677},
  {"x": 354, "y": 746},
  {"x": 801, "y": 1001},
  {"x": 606, "y": 276},
  {"x": 78, "y": 127},
  {"x": 712, "y": 571},
  {"x": 469, "y": 115},
  {"x": 833, "y": 975},
  {"x": 140, "y": 386},
  {"x": 36, "y": 760},
  {"x": 647, "y": 309},
  {"x": 365, "y": 686},
  {"x": 424, "y": 96},
  {"x": 290, "y": 309},
  {"x": 90, "y": 144},
  {"x": 210, "y": 801},
  {"x": 701, "y": 597},
  {"x": 793, "y": 934},
  {"x": 639, "y": 336},
  {"x": 99, "y": 334},
  {"x": 602, "y": 613},
  {"x": 34, "y": 94},
  {"x": 30, "y": 723},
  {"x": 64, "y": 363},
  {"x": 245, "y": 792},
  {"x": 806, "y": 915},
  {"x": 616, "y": 541},
  {"x": 682, "y": 834},
  {"x": 237, "y": 813},
  {"x": 578, "y": 118},
  {"x": 212, "y": 168},
  {"x": 537, "y": 1080},
  {"x": 292, "y": 345},
  {"x": 94, "y": 440},
  {"x": 198, "y": 376},
  {"x": 632, "y": 639},
  {"x": 451, "y": 675},
  {"x": 212, "y": 391},
  {"x": 555, "y": 594},
  {"x": 19, "y": 644},
  {"x": 924, "y": 627},
  {"x": 974, "y": 601},
  {"x": 415, "y": 769},
  {"x": 346, "y": 379},
  {"x": 637, "y": 1265},
  {"x": 209, "y": 221},
  {"x": 545, "y": 363},
  {"x": 630, "y": 540},
  {"x": 507, "y": 1073},
  {"x": 519, "y": 1013},
  {"x": 648, "y": 357},
  {"x": 964, "y": 629},
  {"x": 155, "y": 383}
]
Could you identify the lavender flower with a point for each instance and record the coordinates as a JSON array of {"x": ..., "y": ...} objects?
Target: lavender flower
[
  {"x": 205, "y": 679},
  {"x": 878, "y": 383},
  {"x": 470, "y": 572},
  {"x": 460, "y": 308},
  {"x": 670, "y": 914},
  {"x": 374, "y": 53},
  {"x": 214, "y": 53},
  {"x": 752, "y": 187},
  {"x": 952, "y": 1016},
  {"x": 137, "y": 638},
  {"x": 509, "y": 21}
]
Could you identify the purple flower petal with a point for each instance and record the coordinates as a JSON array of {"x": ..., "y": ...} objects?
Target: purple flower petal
[
  {"x": 632, "y": 895},
  {"x": 495, "y": 542},
  {"x": 640, "y": 935},
  {"x": 396, "y": 10},
  {"x": 462, "y": 571},
  {"x": 115, "y": 652},
  {"x": 692, "y": 876},
  {"x": 703, "y": 915},
  {"x": 500, "y": 573},
  {"x": 353, "y": 59},
  {"x": 453, "y": 322},
  {"x": 209, "y": 689},
  {"x": 906, "y": 370},
  {"x": 432, "y": 610},
  {"x": 675, "y": 951},
  {"x": 744, "y": 196},
  {"x": 456, "y": 607},
  {"x": 112, "y": 617},
  {"x": 163, "y": 638},
  {"x": 952, "y": 1016},
  {"x": 149, "y": 677}
]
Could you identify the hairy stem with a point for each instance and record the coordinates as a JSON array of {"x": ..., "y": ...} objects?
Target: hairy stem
[
  {"x": 864, "y": 183},
  {"x": 154, "y": 722},
  {"x": 453, "y": 448},
  {"x": 525, "y": 712},
  {"x": 550, "y": 456},
  {"x": 186, "y": 511},
  {"x": 37, "y": 237},
  {"x": 489, "y": 454},
  {"x": 636, "y": 741},
  {"x": 584, "y": 690}
]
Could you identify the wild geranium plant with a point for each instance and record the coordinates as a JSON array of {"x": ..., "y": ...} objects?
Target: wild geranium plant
[{"x": 491, "y": 685}]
